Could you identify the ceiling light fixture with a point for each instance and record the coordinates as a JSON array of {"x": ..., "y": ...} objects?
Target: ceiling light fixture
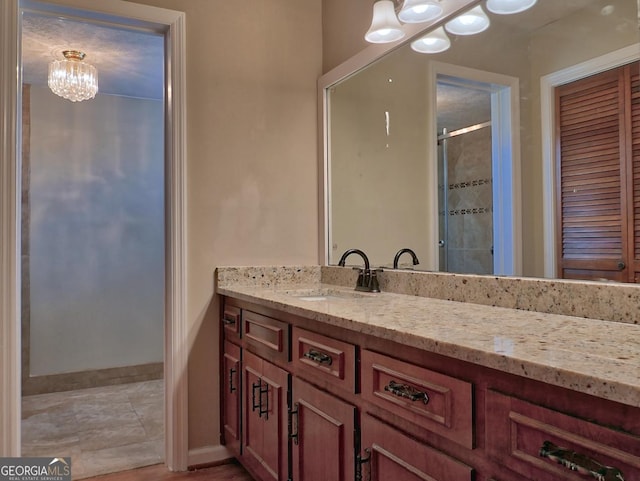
[
  {"x": 507, "y": 7},
  {"x": 434, "y": 42},
  {"x": 418, "y": 11},
  {"x": 385, "y": 27},
  {"x": 73, "y": 79},
  {"x": 469, "y": 23}
]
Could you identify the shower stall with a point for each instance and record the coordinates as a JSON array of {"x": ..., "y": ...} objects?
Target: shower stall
[{"x": 465, "y": 198}]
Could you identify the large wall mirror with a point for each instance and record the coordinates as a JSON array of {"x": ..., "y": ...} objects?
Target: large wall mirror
[{"x": 453, "y": 154}]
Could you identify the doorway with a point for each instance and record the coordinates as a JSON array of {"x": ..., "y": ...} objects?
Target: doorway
[
  {"x": 92, "y": 245},
  {"x": 126, "y": 15},
  {"x": 476, "y": 130}
]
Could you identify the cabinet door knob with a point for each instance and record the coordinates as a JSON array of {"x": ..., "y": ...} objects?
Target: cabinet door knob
[
  {"x": 579, "y": 462},
  {"x": 621, "y": 265}
]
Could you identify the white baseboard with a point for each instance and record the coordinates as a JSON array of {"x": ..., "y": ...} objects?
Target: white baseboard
[{"x": 208, "y": 455}]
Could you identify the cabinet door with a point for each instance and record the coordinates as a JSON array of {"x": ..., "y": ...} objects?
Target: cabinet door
[
  {"x": 322, "y": 435},
  {"x": 392, "y": 455},
  {"x": 231, "y": 397},
  {"x": 265, "y": 387}
]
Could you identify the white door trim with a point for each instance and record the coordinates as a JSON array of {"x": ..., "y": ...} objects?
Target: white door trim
[
  {"x": 548, "y": 83},
  {"x": 10, "y": 354},
  {"x": 176, "y": 331}
]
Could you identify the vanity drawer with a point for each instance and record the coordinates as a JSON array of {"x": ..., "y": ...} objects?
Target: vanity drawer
[
  {"x": 546, "y": 445},
  {"x": 266, "y": 336},
  {"x": 231, "y": 322},
  {"x": 434, "y": 401},
  {"x": 320, "y": 357}
]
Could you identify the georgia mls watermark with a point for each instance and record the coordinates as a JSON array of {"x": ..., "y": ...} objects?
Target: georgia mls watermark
[{"x": 35, "y": 469}]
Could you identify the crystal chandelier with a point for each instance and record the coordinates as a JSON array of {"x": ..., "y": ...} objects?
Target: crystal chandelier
[{"x": 72, "y": 78}]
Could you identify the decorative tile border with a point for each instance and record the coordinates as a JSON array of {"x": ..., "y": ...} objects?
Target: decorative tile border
[
  {"x": 474, "y": 210},
  {"x": 471, "y": 183}
]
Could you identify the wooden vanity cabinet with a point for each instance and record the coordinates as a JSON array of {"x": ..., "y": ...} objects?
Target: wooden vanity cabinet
[
  {"x": 301, "y": 405},
  {"x": 292, "y": 407}
]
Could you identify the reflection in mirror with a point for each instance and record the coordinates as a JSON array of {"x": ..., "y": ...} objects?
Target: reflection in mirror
[
  {"x": 451, "y": 155},
  {"x": 465, "y": 194}
]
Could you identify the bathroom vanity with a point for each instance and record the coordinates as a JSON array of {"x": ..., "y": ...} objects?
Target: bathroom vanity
[{"x": 321, "y": 382}]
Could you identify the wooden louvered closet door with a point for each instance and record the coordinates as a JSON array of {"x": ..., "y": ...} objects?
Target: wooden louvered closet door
[
  {"x": 598, "y": 130},
  {"x": 634, "y": 174}
]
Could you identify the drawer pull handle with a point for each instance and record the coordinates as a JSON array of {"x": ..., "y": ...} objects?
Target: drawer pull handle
[
  {"x": 264, "y": 409},
  {"x": 360, "y": 462},
  {"x": 228, "y": 320},
  {"x": 579, "y": 462},
  {"x": 319, "y": 357},
  {"x": 293, "y": 412},
  {"x": 256, "y": 404},
  {"x": 232, "y": 388},
  {"x": 262, "y": 389},
  {"x": 406, "y": 391}
]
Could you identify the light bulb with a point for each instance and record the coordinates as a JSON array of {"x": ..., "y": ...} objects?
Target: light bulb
[
  {"x": 418, "y": 11},
  {"x": 508, "y": 7},
  {"x": 385, "y": 27},
  {"x": 469, "y": 23},
  {"x": 433, "y": 42}
]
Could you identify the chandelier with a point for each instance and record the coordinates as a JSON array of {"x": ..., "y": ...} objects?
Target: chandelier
[{"x": 73, "y": 79}]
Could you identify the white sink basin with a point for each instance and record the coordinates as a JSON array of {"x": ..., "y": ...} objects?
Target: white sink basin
[{"x": 326, "y": 294}]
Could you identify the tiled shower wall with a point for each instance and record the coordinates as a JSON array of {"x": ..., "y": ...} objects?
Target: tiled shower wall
[{"x": 470, "y": 209}]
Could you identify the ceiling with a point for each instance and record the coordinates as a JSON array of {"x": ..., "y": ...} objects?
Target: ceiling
[
  {"x": 461, "y": 106},
  {"x": 130, "y": 62}
]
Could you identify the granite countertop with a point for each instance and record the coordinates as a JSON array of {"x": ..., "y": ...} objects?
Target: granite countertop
[{"x": 593, "y": 356}]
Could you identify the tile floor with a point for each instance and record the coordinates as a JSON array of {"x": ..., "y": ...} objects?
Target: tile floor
[{"x": 104, "y": 429}]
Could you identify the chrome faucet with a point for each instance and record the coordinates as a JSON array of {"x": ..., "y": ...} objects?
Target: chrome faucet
[
  {"x": 367, "y": 278},
  {"x": 402, "y": 251}
]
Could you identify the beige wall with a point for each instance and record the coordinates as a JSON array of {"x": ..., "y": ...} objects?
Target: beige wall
[
  {"x": 378, "y": 180},
  {"x": 344, "y": 23},
  {"x": 252, "y": 68}
]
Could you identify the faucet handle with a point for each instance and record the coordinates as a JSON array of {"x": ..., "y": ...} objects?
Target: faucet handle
[
  {"x": 374, "y": 285},
  {"x": 361, "y": 277}
]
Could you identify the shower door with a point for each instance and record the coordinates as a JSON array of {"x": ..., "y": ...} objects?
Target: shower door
[{"x": 465, "y": 198}]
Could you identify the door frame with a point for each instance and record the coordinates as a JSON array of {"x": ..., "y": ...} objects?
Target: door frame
[
  {"x": 548, "y": 83},
  {"x": 172, "y": 25},
  {"x": 505, "y": 140}
]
